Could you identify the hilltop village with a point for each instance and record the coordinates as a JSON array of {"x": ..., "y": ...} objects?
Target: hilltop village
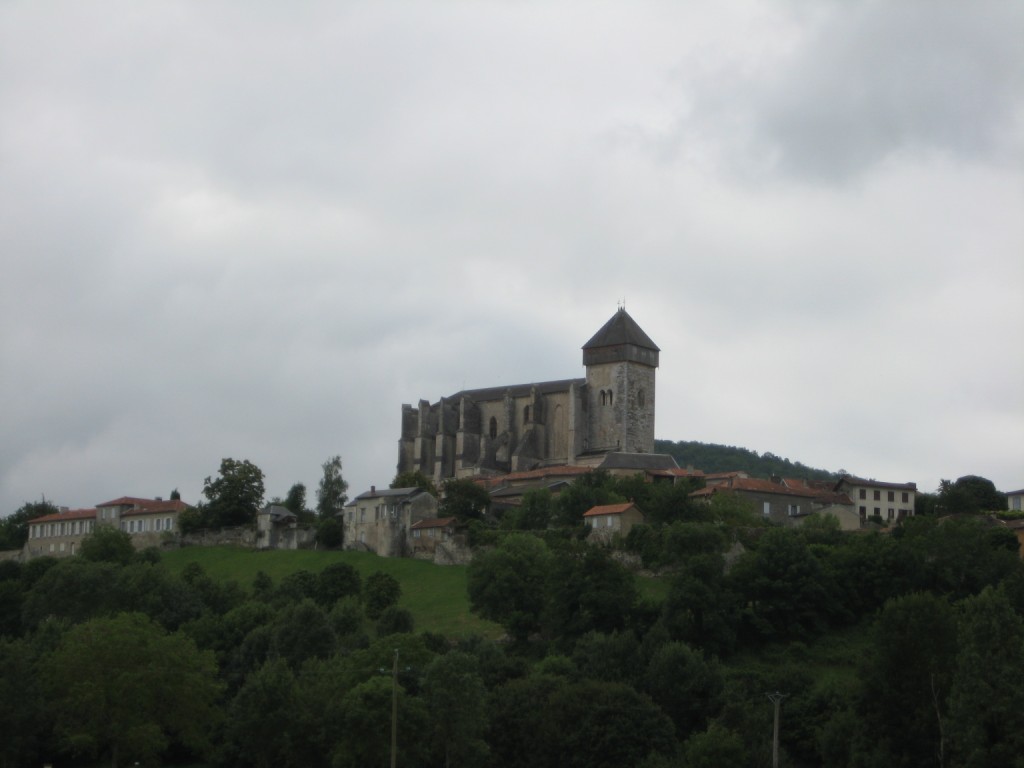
[{"x": 510, "y": 442}]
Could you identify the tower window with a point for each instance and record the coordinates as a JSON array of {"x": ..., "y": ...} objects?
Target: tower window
[
  {"x": 610, "y": 395},
  {"x": 641, "y": 398},
  {"x": 494, "y": 428},
  {"x": 526, "y": 415}
]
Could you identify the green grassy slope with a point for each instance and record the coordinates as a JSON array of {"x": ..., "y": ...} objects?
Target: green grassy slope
[{"x": 435, "y": 595}]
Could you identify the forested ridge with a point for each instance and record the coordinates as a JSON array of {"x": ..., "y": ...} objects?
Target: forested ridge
[
  {"x": 711, "y": 457},
  {"x": 890, "y": 649}
]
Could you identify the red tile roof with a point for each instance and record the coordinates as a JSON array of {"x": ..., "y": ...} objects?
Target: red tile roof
[
  {"x": 609, "y": 509},
  {"x": 143, "y": 506},
  {"x": 435, "y": 522},
  {"x": 69, "y": 514}
]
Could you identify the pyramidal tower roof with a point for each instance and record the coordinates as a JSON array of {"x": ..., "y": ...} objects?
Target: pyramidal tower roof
[{"x": 621, "y": 329}]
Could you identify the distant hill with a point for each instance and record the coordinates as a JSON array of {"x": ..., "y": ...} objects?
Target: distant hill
[{"x": 709, "y": 458}]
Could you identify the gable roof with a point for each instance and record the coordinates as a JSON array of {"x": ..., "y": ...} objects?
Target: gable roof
[
  {"x": 140, "y": 505},
  {"x": 374, "y": 493},
  {"x": 610, "y": 509},
  {"x": 516, "y": 390},
  {"x": 853, "y": 480},
  {"x": 67, "y": 514},
  {"x": 621, "y": 329},
  {"x": 638, "y": 461},
  {"x": 434, "y": 522}
]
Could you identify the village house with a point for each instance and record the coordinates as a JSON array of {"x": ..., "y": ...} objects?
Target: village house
[
  {"x": 278, "y": 527},
  {"x": 147, "y": 521},
  {"x": 784, "y": 500},
  {"x": 606, "y": 521},
  {"x": 891, "y": 502},
  {"x": 381, "y": 520},
  {"x": 437, "y": 539},
  {"x": 1015, "y": 500}
]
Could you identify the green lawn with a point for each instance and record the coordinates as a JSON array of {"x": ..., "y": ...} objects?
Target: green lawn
[{"x": 435, "y": 595}]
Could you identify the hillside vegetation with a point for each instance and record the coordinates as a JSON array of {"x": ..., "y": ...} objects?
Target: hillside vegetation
[
  {"x": 434, "y": 595},
  {"x": 710, "y": 457}
]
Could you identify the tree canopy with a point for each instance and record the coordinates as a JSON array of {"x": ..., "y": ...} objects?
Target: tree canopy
[
  {"x": 331, "y": 494},
  {"x": 235, "y": 495}
]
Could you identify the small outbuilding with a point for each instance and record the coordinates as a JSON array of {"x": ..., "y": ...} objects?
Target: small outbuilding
[{"x": 609, "y": 520}]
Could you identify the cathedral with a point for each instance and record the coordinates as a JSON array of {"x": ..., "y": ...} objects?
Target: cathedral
[{"x": 516, "y": 428}]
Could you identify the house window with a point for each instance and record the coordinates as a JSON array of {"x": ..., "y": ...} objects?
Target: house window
[
  {"x": 158, "y": 522},
  {"x": 878, "y": 512},
  {"x": 863, "y": 493},
  {"x": 892, "y": 513},
  {"x": 416, "y": 533},
  {"x": 794, "y": 509},
  {"x": 1016, "y": 502},
  {"x": 168, "y": 523},
  {"x": 611, "y": 520},
  {"x": 878, "y": 495},
  {"x": 905, "y": 497},
  {"x": 362, "y": 515},
  {"x": 863, "y": 513},
  {"x": 493, "y": 428},
  {"x": 766, "y": 508},
  {"x": 892, "y": 496}
]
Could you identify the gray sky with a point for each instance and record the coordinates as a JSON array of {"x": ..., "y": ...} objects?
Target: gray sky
[{"x": 256, "y": 229}]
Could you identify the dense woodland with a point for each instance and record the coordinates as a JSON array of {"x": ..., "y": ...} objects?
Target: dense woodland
[{"x": 899, "y": 649}]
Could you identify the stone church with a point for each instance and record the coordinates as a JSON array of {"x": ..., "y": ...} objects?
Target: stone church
[{"x": 505, "y": 429}]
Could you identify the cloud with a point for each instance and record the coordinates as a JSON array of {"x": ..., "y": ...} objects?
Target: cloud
[{"x": 258, "y": 234}]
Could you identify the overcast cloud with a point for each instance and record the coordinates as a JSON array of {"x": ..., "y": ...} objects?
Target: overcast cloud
[{"x": 256, "y": 229}]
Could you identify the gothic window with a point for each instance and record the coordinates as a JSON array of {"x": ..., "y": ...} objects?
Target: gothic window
[
  {"x": 604, "y": 397},
  {"x": 610, "y": 395},
  {"x": 494, "y": 428},
  {"x": 526, "y": 415}
]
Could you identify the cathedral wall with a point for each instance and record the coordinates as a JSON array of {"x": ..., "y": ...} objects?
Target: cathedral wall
[{"x": 638, "y": 406}]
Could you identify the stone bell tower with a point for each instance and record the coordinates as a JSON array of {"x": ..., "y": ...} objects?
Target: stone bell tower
[{"x": 621, "y": 361}]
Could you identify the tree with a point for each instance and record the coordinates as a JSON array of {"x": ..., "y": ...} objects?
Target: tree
[
  {"x": 381, "y": 591},
  {"x": 987, "y": 692},
  {"x": 14, "y": 527},
  {"x": 533, "y": 514},
  {"x": 970, "y": 494},
  {"x": 236, "y": 495},
  {"x": 589, "y": 490},
  {"x": 107, "y": 544},
  {"x": 22, "y": 711},
  {"x": 267, "y": 696},
  {"x": 123, "y": 686},
  {"x": 295, "y": 501},
  {"x": 463, "y": 499},
  {"x": 456, "y": 697},
  {"x": 508, "y": 584},
  {"x": 331, "y": 495},
  {"x": 330, "y": 534},
  {"x": 414, "y": 480},
  {"x": 335, "y": 582},
  {"x": 906, "y": 679},
  {"x": 394, "y": 621}
]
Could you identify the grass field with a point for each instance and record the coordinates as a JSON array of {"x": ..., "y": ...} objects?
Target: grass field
[{"x": 435, "y": 595}]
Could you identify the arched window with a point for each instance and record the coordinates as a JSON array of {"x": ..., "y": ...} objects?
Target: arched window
[
  {"x": 610, "y": 395},
  {"x": 641, "y": 398},
  {"x": 604, "y": 397},
  {"x": 526, "y": 415},
  {"x": 494, "y": 428}
]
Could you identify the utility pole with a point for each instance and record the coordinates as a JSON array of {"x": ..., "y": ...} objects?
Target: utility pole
[
  {"x": 394, "y": 710},
  {"x": 776, "y": 699}
]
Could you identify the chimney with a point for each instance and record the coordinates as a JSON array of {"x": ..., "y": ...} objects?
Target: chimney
[{"x": 373, "y": 489}]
